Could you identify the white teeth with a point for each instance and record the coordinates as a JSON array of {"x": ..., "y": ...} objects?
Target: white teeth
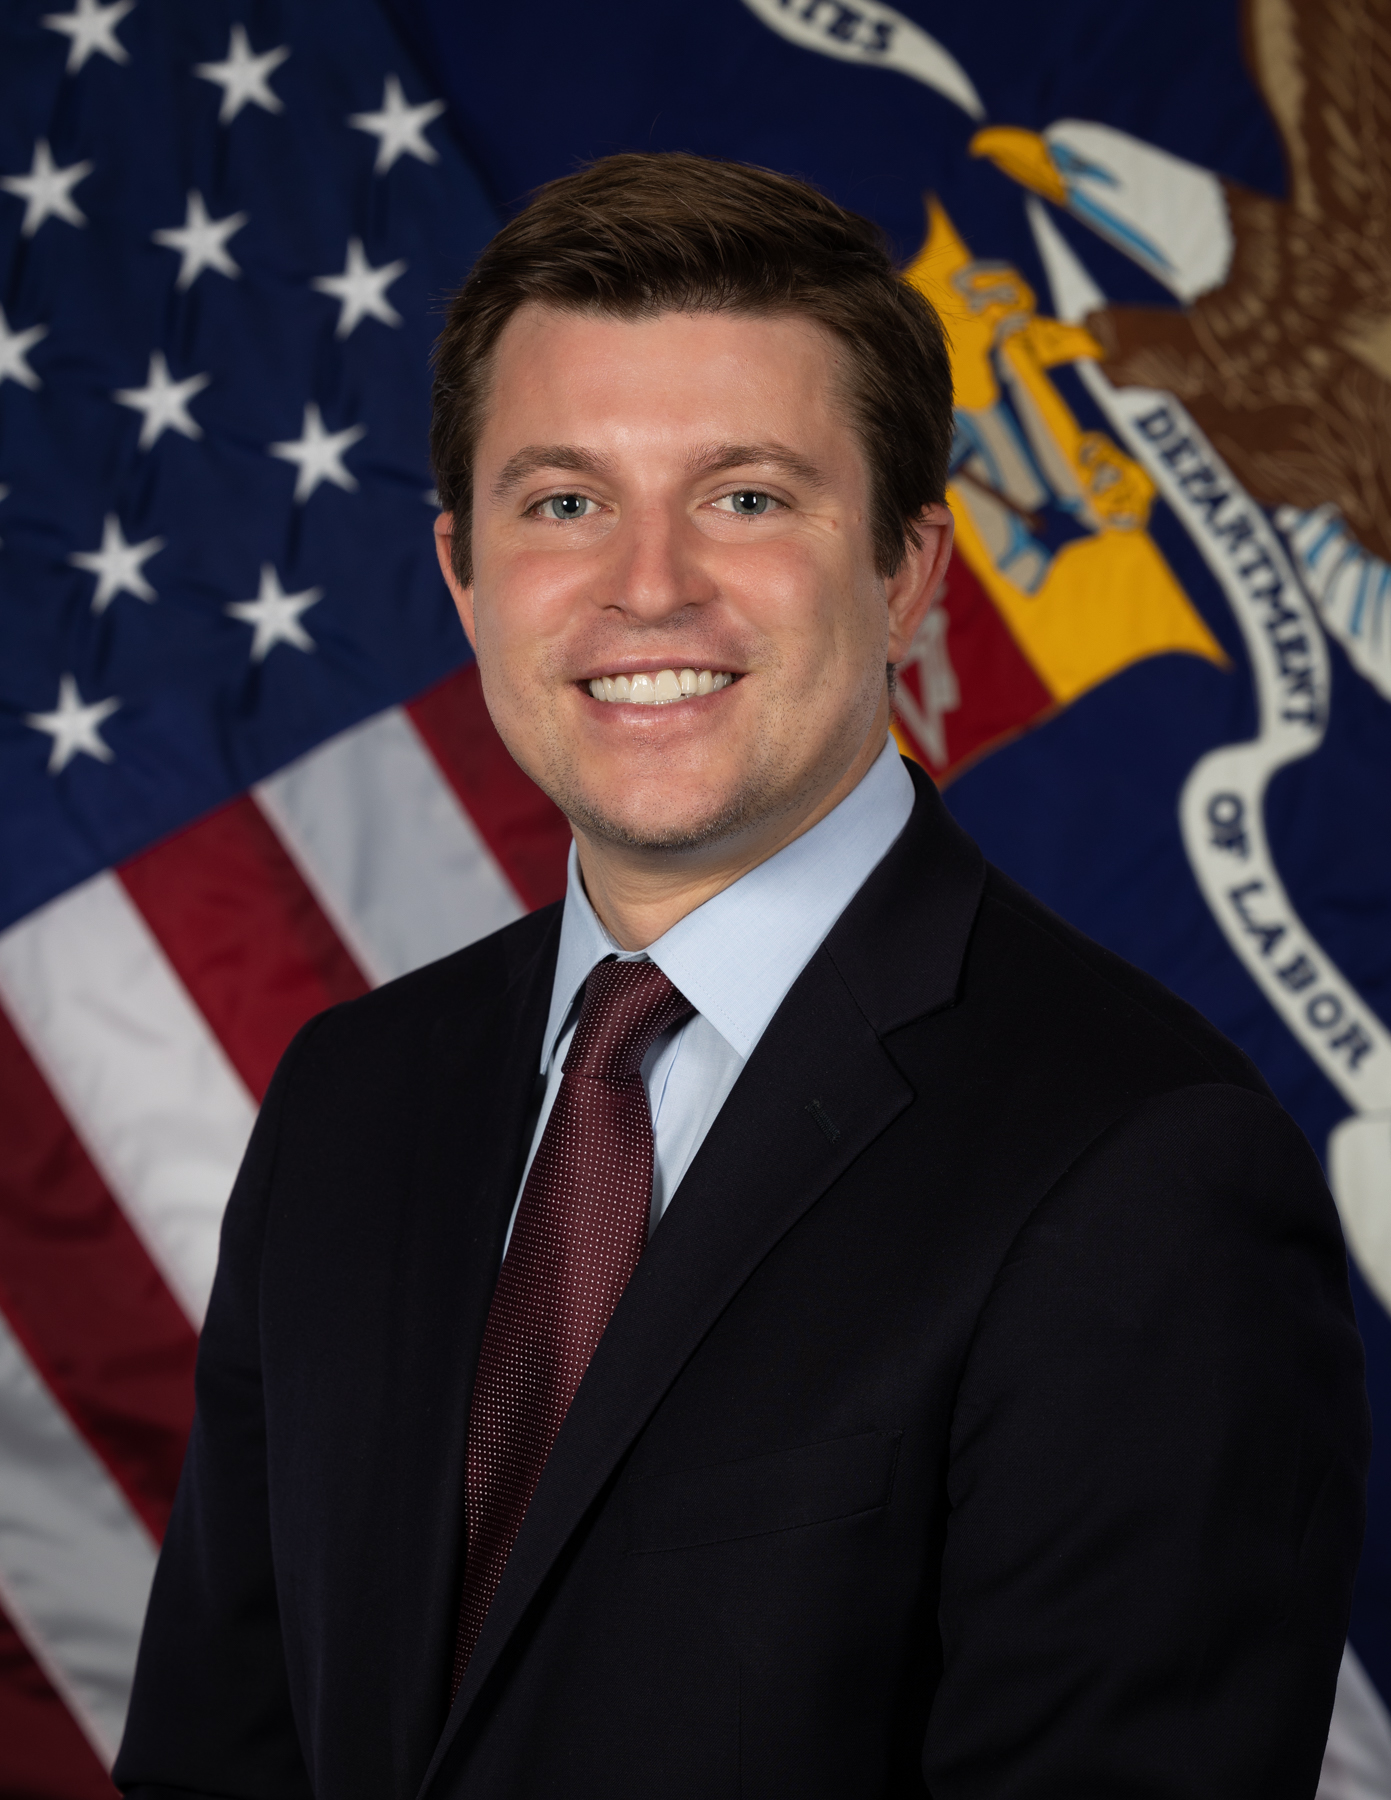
[{"x": 661, "y": 688}]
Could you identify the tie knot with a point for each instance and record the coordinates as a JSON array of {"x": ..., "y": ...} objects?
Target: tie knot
[{"x": 627, "y": 1006}]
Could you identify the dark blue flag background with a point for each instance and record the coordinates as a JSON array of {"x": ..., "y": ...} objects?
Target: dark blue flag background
[{"x": 1076, "y": 786}]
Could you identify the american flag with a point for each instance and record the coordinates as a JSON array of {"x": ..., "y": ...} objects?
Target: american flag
[{"x": 247, "y": 771}]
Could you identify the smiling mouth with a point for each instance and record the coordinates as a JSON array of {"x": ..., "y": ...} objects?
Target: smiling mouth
[{"x": 660, "y": 687}]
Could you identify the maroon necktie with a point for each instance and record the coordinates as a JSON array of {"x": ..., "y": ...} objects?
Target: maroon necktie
[{"x": 580, "y": 1229}]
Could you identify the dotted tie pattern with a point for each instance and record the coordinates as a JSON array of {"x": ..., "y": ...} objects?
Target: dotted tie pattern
[{"x": 580, "y": 1229}]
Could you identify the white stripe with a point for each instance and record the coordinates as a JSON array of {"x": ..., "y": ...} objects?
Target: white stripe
[
  {"x": 1357, "y": 1762},
  {"x": 75, "y": 1562},
  {"x": 391, "y": 855},
  {"x": 136, "y": 1068}
]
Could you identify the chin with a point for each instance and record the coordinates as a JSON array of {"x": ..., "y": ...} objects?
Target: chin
[{"x": 663, "y": 826}]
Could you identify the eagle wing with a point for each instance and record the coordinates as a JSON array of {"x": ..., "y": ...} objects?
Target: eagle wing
[{"x": 1287, "y": 365}]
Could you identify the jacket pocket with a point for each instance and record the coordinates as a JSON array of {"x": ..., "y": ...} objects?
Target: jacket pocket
[{"x": 809, "y": 1485}]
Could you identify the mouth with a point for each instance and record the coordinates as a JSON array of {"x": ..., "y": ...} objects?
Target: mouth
[{"x": 660, "y": 687}]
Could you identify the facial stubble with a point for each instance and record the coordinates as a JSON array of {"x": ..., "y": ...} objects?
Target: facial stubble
[{"x": 772, "y": 787}]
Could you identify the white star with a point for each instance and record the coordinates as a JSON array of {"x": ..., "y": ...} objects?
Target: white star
[
  {"x": 275, "y": 614},
  {"x": 92, "y": 28},
  {"x": 398, "y": 128},
  {"x": 117, "y": 565},
  {"x": 319, "y": 454},
  {"x": 14, "y": 352},
  {"x": 243, "y": 77},
  {"x": 164, "y": 402},
  {"x": 47, "y": 190},
  {"x": 74, "y": 728},
  {"x": 361, "y": 290},
  {"x": 201, "y": 241}
]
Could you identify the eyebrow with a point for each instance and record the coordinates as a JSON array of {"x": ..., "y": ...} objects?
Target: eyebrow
[
  {"x": 716, "y": 457},
  {"x": 531, "y": 458}
]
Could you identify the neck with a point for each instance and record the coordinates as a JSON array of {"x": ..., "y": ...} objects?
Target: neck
[{"x": 640, "y": 894}]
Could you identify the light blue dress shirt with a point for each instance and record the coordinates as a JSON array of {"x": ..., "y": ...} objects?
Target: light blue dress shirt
[{"x": 734, "y": 958}]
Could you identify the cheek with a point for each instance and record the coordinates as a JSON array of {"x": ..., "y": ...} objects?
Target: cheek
[
  {"x": 815, "y": 606},
  {"x": 784, "y": 590},
  {"x": 524, "y": 604}
]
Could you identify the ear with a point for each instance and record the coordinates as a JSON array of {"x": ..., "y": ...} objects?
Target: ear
[
  {"x": 462, "y": 596},
  {"x": 911, "y": 591}
]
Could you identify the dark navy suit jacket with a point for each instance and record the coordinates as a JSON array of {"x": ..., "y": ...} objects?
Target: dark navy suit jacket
[{"x": 985, "y": 1417}]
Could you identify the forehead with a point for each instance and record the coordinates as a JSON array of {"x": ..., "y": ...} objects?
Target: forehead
[{"x": 563, "y": 376}]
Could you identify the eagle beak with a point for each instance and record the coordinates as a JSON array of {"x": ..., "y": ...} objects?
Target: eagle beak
[{"x": 1025, "y": 157}]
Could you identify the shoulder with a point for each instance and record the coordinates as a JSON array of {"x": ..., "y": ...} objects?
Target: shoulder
[
  {"x": 1047, "y": 1043},
  {"x": 1064, "y": 994},
  {"x": 403, "y": 1016}
]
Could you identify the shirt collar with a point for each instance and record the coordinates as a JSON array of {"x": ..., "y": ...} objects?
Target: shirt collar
[{"x": 735, "y": 957}]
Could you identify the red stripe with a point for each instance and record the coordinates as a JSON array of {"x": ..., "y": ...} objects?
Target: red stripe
[
  {"x": 84, "y": 1299},
  {"x": 999, "y": 690},
  {"x": 243, "y": 932},
  {"x": 43, "y": 1754},
  {"x": 526, "y": 832}
]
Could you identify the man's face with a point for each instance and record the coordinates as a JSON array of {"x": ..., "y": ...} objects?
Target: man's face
[{"x": 673, "y": 503}]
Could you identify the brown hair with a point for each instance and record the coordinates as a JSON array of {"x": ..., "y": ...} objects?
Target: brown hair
[{"x": 639, "y": 234}]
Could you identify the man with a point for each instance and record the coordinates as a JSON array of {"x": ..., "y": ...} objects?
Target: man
[{"x": 800, "y": 1320}]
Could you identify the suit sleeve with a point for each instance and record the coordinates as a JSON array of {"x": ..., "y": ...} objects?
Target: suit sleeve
[
  {"x": 211, "y": 1709},
  {"x": 1156, "y": 1477}
]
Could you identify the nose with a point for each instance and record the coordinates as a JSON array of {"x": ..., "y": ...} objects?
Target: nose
[{"x": 656, "y": 569}]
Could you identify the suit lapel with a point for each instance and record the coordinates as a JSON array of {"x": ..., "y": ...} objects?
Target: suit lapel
[
  {"x": 766, "y": 1143},
  {"x": 483, "y": 1056},
  {"x": 818, "y": 1089}
]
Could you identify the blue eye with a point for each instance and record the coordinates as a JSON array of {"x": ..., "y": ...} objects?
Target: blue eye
[
  {"x": 748, "y": 503},
  {"x": 566, "y": 506}
]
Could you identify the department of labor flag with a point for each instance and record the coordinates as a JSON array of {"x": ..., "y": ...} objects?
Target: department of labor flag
[{"x": 1157, "y": 684}]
